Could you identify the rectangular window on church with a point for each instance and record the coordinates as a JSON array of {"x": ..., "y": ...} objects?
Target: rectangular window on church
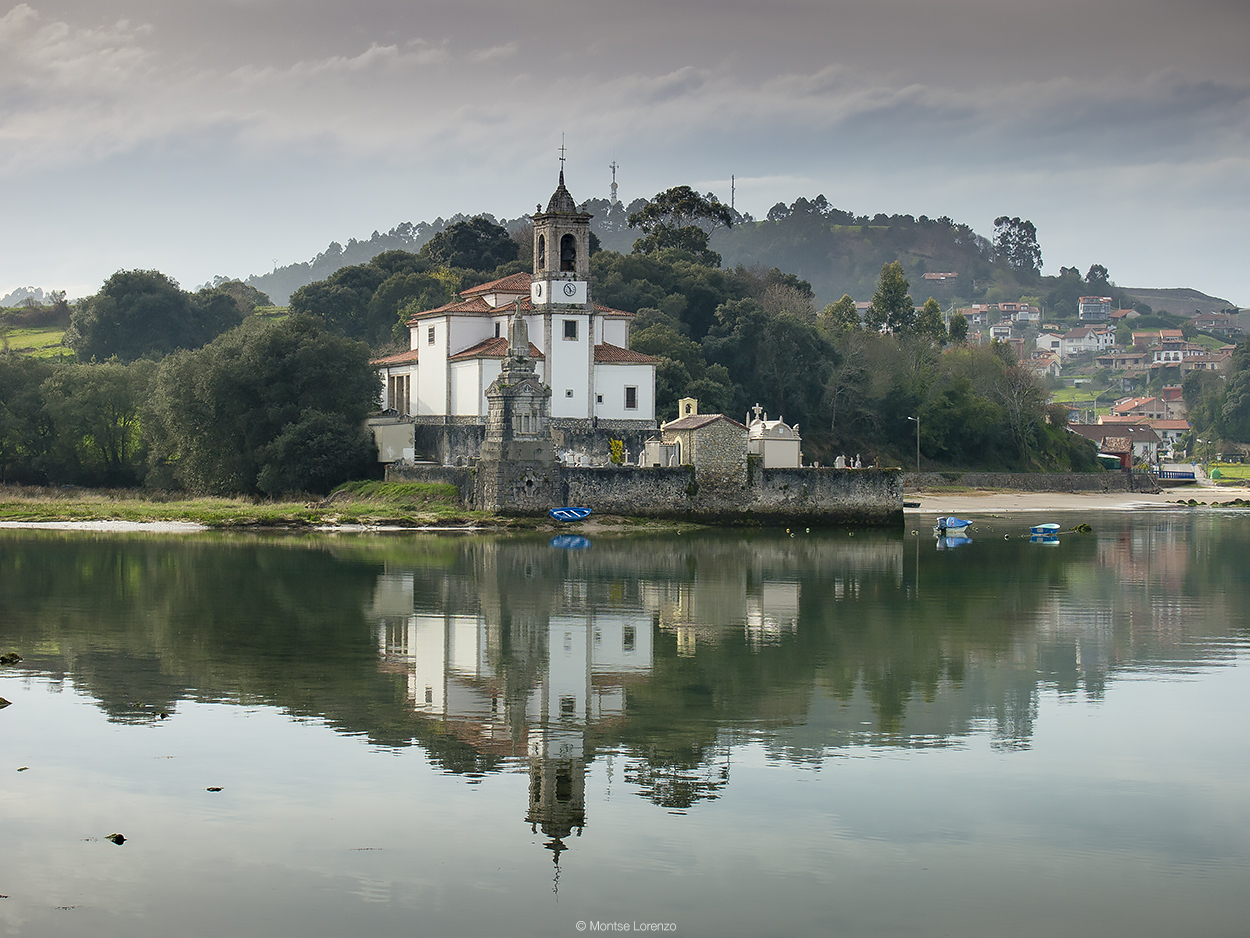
[
  {"x": 429, "y": 336},
  {"x": 570, "y": 329},
  {"x": 631, "y": 398}
]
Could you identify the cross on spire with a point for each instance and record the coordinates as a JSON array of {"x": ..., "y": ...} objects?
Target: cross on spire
[{"x": 562, "y": 153}]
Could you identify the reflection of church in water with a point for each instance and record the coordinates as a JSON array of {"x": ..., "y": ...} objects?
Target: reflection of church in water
[
  {"x": 525, "y": 658},
  {"x": 520, "y": 676}
]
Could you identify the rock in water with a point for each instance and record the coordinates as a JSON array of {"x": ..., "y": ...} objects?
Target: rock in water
[
  {"x": 11, "y": 657},
  {"x": 4, "y": 703},
  {"x": 118, "y": 839}
]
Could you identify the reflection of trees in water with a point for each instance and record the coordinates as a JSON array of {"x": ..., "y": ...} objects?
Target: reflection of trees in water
[
  {"x": 806, "y": 644},
  {"x": 673, "y": 784}
]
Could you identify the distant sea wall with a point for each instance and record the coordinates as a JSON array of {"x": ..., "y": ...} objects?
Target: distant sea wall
[
  {"x": 824, "y": 497},
  {"x": 1033, "y": 481}
]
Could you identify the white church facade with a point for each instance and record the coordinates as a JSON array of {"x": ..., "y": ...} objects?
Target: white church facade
[{"x": 434, "y": 394}]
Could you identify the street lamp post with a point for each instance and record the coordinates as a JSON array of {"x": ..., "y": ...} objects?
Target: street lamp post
[{"x": 917, "y": 420}]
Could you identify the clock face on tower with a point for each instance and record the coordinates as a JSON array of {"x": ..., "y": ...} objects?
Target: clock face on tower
[{"x": 562, "y": 292}]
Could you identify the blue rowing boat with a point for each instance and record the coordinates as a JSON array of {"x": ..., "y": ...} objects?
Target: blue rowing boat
[
  {"x": 1049, "y": 530},
  {"x": 569, "y": 514},
  {"x": 951, "y": 526}
]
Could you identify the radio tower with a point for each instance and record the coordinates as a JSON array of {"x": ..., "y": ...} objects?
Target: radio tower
[{"x": 614, "y": 168}]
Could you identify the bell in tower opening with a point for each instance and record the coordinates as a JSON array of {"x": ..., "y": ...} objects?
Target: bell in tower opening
[{"x": 568, "y": 253}]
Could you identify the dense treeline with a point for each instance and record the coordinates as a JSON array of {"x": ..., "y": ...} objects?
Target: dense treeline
[
  {"x": 372, "y": 301},
  {"x": 265, "y": 408},
  {"x": 145, "y": 314},
  {"x": 1219, "y": 405}
]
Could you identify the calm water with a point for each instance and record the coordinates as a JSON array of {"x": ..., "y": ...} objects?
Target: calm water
[{"x": 826, "y": 734}]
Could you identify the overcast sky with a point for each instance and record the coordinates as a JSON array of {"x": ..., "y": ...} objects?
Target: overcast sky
[{"x": 224, "y": 136}]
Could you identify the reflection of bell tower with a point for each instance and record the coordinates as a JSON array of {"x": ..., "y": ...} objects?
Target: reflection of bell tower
[
  {"x": 557, "y": 800},
  {"x": 561, "y": 252}
]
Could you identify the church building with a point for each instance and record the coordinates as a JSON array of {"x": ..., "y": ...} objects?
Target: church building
[{"x": 600, "y": 388}]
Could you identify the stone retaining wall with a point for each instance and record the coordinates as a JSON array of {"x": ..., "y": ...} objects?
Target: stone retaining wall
[{"x": 770, "y": 496}]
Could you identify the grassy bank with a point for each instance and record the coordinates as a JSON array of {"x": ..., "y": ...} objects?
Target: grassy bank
[{"x": 408, "y": 504}]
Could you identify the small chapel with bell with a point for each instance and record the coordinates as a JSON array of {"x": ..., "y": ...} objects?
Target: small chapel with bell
[{"x": 435, "y": 395}]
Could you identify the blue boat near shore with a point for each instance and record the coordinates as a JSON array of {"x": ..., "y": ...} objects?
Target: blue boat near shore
[
  {"x": 950, "y": 525},
  {"x": 1050, "y": 529},
  {"x": 569, "y": 514}
]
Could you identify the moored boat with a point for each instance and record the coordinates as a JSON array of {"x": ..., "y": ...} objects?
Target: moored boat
[
  {"x": 1050, "y": 529},
  {"x": 950, "y": 525},
  {"x": 569, "y": 514}
]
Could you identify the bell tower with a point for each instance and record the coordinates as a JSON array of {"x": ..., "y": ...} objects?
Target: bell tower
[{"x": 561, "y": 253}]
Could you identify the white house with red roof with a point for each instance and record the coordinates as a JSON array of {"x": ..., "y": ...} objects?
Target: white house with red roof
[{"x": 580, "y": 349}]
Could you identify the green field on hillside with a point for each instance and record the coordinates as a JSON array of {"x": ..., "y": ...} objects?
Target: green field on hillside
[{"x": 42, "y": 342}]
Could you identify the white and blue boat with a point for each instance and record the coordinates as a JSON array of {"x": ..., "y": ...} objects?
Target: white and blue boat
[
  {"x": 950, "y": 525},
  {"x": 1050, "y": 529},
  {"x": 569, "y": 514}
]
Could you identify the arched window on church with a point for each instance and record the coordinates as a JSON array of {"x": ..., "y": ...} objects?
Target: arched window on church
[
  {"x": 568, "y": 253},
  {"x": 542, "y": 251}
]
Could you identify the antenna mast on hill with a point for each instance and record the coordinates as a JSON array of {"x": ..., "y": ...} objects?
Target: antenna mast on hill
[
  {"x": 731, "y": 193},
  {"x": 612, "y": 166}
]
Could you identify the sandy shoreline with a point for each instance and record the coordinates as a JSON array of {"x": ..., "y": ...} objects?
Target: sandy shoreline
[
  {"x": 177, "y": 527},
  {"x": 960, "y": 503}
]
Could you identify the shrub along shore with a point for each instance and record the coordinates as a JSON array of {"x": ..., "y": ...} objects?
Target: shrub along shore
[
  {"x": 373, "y": 504},
  {"x": 365, "y": 504}
]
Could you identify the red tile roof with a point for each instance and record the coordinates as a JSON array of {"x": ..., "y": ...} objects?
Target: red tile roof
[
  {"x": 496, "y": 347},
  {"x": 402, "y": 358},
  {"x": 614, "y": 355},
  {"x": 609, "y": 311},
  {"x": 476, "y": 305},
  {"x": 513, "y": 283}
]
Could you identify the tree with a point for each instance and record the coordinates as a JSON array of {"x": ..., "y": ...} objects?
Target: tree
[
  {"x": 266, "y": 407},
  {"x": 680, "y": 218},
  {"x": 892, "y": 306},
  {"x": 682, "y": 207},
  {"x": 95, "y": 412},
  {"x": 25, "y": 430},
  {"x": 1235, "y": 413},
  {"x": 929, "y": 323},
  {"x": 780, "y": 361},
  {"x": 1015, "y": 240},
  {"x": 1098, "y": 277},
  {"x": 477, "y": 244},
  {"x": 842, "y": 316},
  {"x": 143, "y": 313},
  {"x": 959, "y": 329},
  {"x": 370, "y": 302},
  {"x": 246, "y": 296}
]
